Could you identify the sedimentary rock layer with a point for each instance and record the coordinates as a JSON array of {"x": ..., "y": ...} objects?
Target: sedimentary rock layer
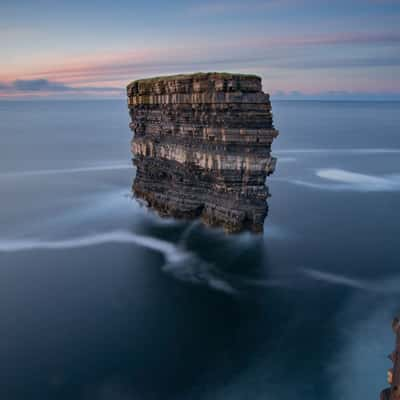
[{"x": 202, "y": 145}]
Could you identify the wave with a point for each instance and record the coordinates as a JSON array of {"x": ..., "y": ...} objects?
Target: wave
[
  {"x": 347, "y": 180},
  {"x": 40, "y": 172}
]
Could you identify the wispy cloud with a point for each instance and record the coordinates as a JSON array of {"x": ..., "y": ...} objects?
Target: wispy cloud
[
  {"x": 44, "y": 87},
  {"x": 336, "y": 95},
  {"x": 110, "y": 73},
  {"x": 342, "y": 38},
  {"x": 35, "y": 85},
  {"x": 187, "y": 57},
  {"x": 335, "y": 62},
  {"x": 223, "y": 7},
  {"x": 231, "y": 7}
]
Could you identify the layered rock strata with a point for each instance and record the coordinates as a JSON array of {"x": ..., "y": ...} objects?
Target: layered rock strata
[
  {"x": 393, "y": 374},
  {"x": 202, "y": 147}
]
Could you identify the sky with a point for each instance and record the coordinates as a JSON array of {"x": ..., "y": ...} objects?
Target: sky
[{"x": 301, "y": 48}]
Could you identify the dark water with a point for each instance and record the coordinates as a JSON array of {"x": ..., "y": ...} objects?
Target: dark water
[{"x": 100, "y": 299}]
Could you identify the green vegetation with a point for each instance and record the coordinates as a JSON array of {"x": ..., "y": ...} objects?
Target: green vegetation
[{"x": 197, "y": 75}]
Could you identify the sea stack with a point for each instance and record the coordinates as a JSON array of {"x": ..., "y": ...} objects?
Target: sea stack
[{"x": 202, "y": 147}]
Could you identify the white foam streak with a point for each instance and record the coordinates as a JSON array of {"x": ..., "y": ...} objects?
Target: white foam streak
[
  {"x": 346, "y": 180},
  {"x": 200, "y": 272},
  {"x": 170, "y": 252},
  {"x": 179, "y": 262},
  {"x": 351, "y": 151},
  {"x": 286, "y": 159},
  {"x": 338, "y": 279},
  {"x": 387, "y": 287},
  {"x": 340, "y": 175}
]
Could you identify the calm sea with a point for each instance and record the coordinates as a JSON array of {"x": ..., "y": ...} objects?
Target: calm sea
[{"x": 102, "y": 300}]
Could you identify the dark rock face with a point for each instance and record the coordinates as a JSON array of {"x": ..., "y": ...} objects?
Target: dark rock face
[
  {"x": 393, "y": 392},
  {"x": 202, "y": 147}
]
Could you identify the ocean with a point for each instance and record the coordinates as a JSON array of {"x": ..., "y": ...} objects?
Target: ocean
[{"x": 102, "y": 299}]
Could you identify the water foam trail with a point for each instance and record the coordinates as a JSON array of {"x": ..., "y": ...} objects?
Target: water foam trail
[
  {"x": 286, "y": 159},
  {"x": 40, "y": 172},
  {"x": 347, "y": 180},
  {"x": 170, "y": 252},
  {"x": 388, "y": 286},
  {"x": 179, "y": 263},
  {"x": 200, "y": 272},
  {"x": 187, "y": 232},
  {"x": 338, "y": 279},
  {"x": 344, "y": 176},
  {"x": 184, "y": 265},
  {"x": 351, "y": 151}
]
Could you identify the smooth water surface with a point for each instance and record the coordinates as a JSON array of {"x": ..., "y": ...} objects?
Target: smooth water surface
[{"x": 101, "y": 299}]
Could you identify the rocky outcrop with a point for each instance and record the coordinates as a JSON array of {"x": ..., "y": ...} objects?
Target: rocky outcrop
[
  {"x": 393, "y": 374},
  {"x": 202, "y": 147}
]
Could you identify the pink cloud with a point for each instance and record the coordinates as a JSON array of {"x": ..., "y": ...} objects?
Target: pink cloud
[{"x": 117, "y": 68}]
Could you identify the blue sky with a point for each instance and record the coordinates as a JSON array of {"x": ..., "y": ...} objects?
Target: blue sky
[{"x": 301, "y": 48}]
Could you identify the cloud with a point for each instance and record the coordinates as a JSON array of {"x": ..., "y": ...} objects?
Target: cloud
[
  {"x": 218, "y": 8},
  {"x": 272, "y": 51},
  {"x": 384, "y": 1},
  {"x": 277, "y": 55},
  {"x": 230, "y": 7},
  {"x": 37, "y": 85},
  {"x": 31, "y": 86},
  {"x": 220, "y": 51},
  {"x": 335, "y": 95},
  {"x": 359, "y": 62},
  {"x": 341, "y": 38}
]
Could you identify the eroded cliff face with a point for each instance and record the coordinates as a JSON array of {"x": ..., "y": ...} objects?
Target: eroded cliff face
[{"x": 202, "y": 147}]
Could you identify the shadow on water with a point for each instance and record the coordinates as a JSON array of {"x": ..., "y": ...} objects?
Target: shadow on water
[{"x": 218, "y": 339}]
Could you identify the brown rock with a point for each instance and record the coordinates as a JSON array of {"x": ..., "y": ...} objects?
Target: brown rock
[{"x": 202, "y": 145}]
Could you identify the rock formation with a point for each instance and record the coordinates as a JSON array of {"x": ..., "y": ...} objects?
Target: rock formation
[
  {"x": 202, "y": 145},
  {"x": 393, "y": 393}
]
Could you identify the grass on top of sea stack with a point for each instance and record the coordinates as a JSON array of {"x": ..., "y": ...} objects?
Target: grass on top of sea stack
[{"x": 197, "y": 75}]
